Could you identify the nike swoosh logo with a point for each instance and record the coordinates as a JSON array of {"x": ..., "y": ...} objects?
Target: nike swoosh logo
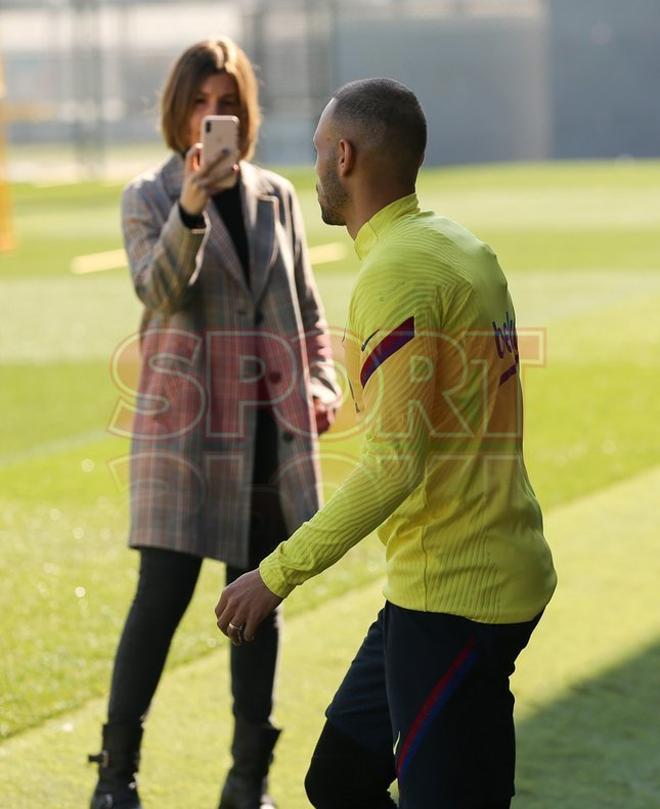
[
  {"x": 364, "y": 345},
  {"x": 396, "y": 743}
]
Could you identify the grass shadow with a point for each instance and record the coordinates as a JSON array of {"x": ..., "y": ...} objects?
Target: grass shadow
[{"x": 598, "y": 746}]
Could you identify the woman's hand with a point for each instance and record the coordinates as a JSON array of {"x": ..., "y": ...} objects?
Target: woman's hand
[
  {"x": 199, "y": 183},
  {"x": 324, "y": 414}
]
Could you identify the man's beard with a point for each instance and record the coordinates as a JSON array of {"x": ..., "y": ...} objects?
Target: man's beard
[{"x": 332, "y": 199}]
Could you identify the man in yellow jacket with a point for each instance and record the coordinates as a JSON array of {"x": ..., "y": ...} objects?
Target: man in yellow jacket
[{"x": 433, "y": 364}]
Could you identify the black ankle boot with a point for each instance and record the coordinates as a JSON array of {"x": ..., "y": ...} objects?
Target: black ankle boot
[
  {"x": 246, "y": 786},
  {"x": 118, "y": 764}
]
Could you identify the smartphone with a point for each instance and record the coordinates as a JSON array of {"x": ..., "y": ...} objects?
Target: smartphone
[{"x": 220, "y": 132}]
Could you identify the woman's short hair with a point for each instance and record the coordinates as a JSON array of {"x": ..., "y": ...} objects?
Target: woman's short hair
[{"x": 189, "y": 72}]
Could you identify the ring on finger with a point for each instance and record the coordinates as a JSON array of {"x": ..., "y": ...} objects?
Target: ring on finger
[{"x": 237, "y": 629}]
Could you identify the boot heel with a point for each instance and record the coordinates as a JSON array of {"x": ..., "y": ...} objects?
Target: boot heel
[
  {"x": 246, "y": 786},
  {"x": 118, "y": 763}
]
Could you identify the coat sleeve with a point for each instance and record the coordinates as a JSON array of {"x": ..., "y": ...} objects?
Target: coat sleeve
[
  {"x": 163, "y": 254},
  {"x": 317, "y": 338}
]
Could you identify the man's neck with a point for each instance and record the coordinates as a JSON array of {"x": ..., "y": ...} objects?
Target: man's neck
[{"x": 363, "y": 210}]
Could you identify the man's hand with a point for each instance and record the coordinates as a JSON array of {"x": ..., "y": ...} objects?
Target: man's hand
[
  {"x": 325, "y": 416},
  {"x": 243, "y": 606}
]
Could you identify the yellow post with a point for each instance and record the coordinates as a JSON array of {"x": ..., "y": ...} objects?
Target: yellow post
[{"x": 7, "y": 240}]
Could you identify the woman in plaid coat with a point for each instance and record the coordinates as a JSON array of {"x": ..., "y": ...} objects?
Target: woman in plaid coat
[{"x": 236, "y": 384}]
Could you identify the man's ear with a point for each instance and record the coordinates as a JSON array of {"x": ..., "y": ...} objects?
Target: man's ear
[{"x": 345, "y": 158}]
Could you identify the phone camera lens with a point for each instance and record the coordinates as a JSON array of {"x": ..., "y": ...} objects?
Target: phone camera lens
[{"x": 208, "y": 126}]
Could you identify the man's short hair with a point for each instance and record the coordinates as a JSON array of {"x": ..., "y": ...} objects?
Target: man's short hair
[{"x": 390, "y": 113}]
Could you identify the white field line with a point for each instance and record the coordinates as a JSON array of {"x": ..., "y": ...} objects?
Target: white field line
[
  {"x": 53, "y": 447},
  {"x": 327, "y": 253},
  {"x": 99, "y": 262},
  {"x": 116, "y": 259}
]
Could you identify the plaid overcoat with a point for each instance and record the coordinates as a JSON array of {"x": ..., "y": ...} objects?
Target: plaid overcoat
[{"x": 208, "y": 343}]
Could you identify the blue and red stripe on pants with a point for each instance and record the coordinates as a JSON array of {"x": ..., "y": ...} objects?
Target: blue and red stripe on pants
[{"x": 438, "y": 685}]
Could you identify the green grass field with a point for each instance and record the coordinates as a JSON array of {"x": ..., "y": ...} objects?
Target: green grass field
[{"x": 581, "y": 246}]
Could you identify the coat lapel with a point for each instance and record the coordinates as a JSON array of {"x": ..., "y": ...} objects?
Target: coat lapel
[
  {"x": 260, "y": 215},
  {"x": 220, "y": 248}
]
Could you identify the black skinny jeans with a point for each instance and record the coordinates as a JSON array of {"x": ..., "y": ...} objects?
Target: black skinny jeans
[{"x": 166, "y": 584}]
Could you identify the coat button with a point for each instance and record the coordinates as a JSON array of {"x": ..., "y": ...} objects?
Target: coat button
[
  {"x": 275, "y": 377},
  {"x": 288, "y": 437},
  {"x": 258, "y": 318}
]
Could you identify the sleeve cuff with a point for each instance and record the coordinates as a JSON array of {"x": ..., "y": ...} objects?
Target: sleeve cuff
[
  {"x": 192, "y": 221},
  {"x": 272, "y": 577}
]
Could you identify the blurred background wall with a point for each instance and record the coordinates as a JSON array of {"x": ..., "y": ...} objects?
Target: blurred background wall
[{"x": 499, "y": 79}]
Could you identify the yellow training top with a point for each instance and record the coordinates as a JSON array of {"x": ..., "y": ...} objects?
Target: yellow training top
[{"x": 432, "y": 360}]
